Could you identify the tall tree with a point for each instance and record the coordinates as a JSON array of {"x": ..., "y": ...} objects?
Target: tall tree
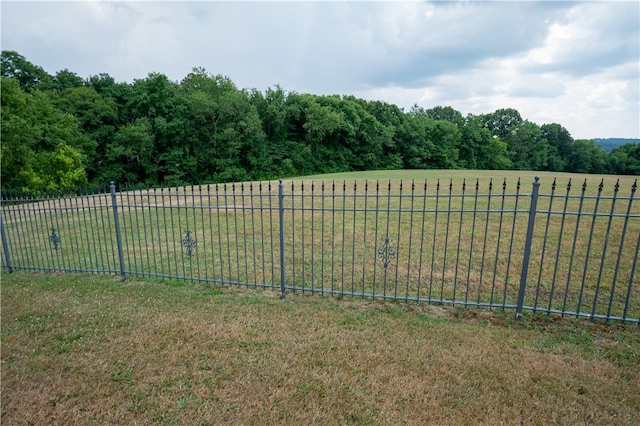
[
  {"x": 446, "y": 113},
  {"x": 98, "y": 117},
  {"x": 227, "y": 126},
  {"x": 479, "y": 149},
  {"x": 560, "y": 144},
  {"x": 131, "y": 156},
  {"x": 527, "y": 148},
  {"x": 43, "y": 148},
  {"x": 625, "y": 159},
  {"x": 29, "y": 76},
  {"x": 502, "y": 122},
  {"x": 415, "y": 144},
  {"x": 586, "y": 157},
  {"x": 66, "y": 79}
]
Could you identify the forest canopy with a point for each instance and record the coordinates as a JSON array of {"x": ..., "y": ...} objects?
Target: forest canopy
[{"x": 63, "y": 131}]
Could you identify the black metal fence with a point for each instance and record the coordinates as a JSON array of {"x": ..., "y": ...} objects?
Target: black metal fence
[{"x": 570, "y": 251}]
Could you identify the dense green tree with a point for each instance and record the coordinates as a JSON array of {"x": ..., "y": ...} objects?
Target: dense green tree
[
  {"x": 120, "y": 93},
  {"x": 586, "y": 157},
  {"x": 447, "y": 139},
  {"x": 36, "y": 138},
  {"x": 19, "y": 134},
  {"x": 98, "y": 117},
  {"x": 625, "y": 159},
  {"x": 560, "y": 143},
  {"x": 479, "y": 149},
  {"x": 443, "y": 135},
  {"x": 446, "y": 113},
  {"x": 526, "y": 146},
  {"x": 131, "y": 157},
  {"x": 502, "y": 122},
  {"x": 59, "y": 130},
  {"x": 391, "y": 119},
  {"x": 29, "y": 76},
  {"x": 59, "y": 170},
  {"x": 164, "y": 106},
  {"x": 227, "y": 127},
  {"x": 66, "y": 79},
  {"x": 528, "y": 150},
  {"x": 416, "y": 147}
]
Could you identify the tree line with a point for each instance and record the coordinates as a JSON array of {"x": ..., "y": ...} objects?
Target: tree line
[{"x": 62, "y": 131}]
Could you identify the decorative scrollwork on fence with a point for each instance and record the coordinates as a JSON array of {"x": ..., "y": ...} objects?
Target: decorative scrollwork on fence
[
  {"x": 55, "y": 240},
  {"x": 189, "y": 243},
  {"x": 386, "y": 253}
]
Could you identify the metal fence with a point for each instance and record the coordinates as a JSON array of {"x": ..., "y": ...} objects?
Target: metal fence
[{"x": 570, "y": 251}]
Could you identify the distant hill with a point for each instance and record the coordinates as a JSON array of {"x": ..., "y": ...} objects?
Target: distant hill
[{"x": 609, "y": 143}]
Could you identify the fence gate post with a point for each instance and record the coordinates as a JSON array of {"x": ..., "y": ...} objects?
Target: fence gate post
[
  {"x": 114, "y": 203},
  {"x": 281, "y": 216},
  {"x": 5, "y": 246},
  {"x": 527, "y": 247}
]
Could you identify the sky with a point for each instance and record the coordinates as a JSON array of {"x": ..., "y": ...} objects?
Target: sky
[{"x": 572, "y": 63}]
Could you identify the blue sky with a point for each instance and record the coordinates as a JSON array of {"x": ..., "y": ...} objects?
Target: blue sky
[{"x": 573, "y": 63}]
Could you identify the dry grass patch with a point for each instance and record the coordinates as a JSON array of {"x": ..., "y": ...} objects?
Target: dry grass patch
[{"x": 80, "y": 349}]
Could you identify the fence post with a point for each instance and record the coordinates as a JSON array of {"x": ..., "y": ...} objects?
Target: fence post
[
  {"x": 527, "y": 247},
  {"x": 5, "y": 246},
  {"x": 114, "y": 203},
  {"x": 281, "y": 216}
]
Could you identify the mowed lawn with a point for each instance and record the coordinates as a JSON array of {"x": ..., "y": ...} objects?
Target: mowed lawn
[{"x": 88, "y": 349}]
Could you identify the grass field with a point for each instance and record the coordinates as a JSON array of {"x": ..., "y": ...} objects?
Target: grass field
[
  {"x": 450, "y": 244},
  {"x": 87, "y": 349}
]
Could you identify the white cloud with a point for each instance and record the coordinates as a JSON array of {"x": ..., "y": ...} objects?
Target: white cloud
[{"x": 575, "y": 63}]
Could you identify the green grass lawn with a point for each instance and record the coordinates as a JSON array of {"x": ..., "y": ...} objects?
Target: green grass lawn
[
  {"x": 88, "y": 349},
  {"x": 448, "y": 246}
]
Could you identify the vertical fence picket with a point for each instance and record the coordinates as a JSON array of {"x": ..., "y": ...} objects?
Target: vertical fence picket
[
  {"x": 364, "y": 239},
  {"x": 604, "y": 249},
  {"x": 498, "y": 241},
  {"x": 333, "y": 233},
  {"x": 433, "y": 245},
  {"x": 271, "y": 228},
  {"x": 25, "y": 221},
  {"x": 484, "y": 244},
  {"x": 293, "y": 235},
  {"x": 324, "y": 236},
  {"x": 32, "y": 258},
  {"x": 631, "y": 275},
  {"x": 586, "y": 261},
  {"x": 5, "y": 247},
  {"x": 544, "y": 245},
  {"x": 353, "y": 237},
  {"x": 446, "y": 243},
  {"x": 116, "y": 222},
  {"x": 398, "y": 247},
  {"x": 387, "y": 240},
  {"x": 422, "y": 227},
  {"x": 513, "y": 233},
  {"x": 219, "y": 228},
  {"x": 344, "y": 207},
  {"x": 313, "y": 237},
  {"x": 302, "y": 238},
  {"x": 527, "y": 247},
  {"x": 406, "y": 291},
  {"x": 129, "y": 240},
  {"x": 473, "y": 234},
  {"x": 459, "y": 245},
  {"x": 281, "y": 232},
  {"x": 559, "y": 249},
  {"x": 34, "y": 213},
  {"x": 253, "y": 235},
  {"x": 624, "y": 232}
]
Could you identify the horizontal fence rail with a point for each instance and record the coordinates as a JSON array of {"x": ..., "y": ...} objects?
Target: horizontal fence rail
[{"x": 571, "y": 250}]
